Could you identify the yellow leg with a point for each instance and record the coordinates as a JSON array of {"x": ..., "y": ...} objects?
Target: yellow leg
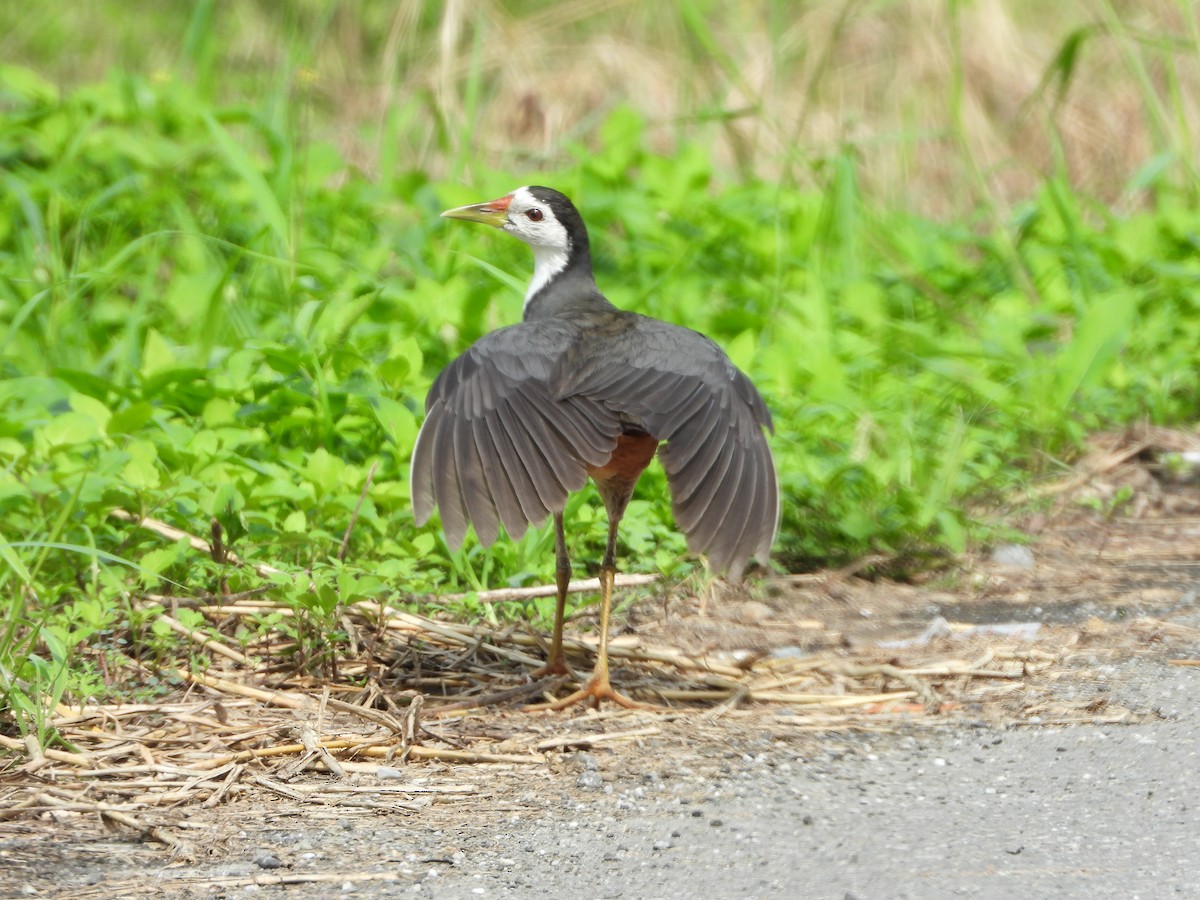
[
  {"x": 616, "y": 494},
  {"x": 598, "y": 687},
  {"x": 556, "y": 662}
]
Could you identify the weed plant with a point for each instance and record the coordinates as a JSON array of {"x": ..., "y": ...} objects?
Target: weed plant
[{"x": 211, "y": 316}]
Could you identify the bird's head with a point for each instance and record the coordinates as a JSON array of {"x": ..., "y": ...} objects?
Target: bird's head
[{"x": 540, "y": 216}]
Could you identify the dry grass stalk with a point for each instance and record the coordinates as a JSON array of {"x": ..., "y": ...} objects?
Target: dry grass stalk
[
  {"x": 171, "y": 533},
  {"x": 158, "y": 755},
  {"x": 580, "y": 586},
  {"x": 254, "y": 728},
  {"x": 203, "y": 640},
  {"x": 803, "y": 83},
  {"x": 586, "y": 741}
]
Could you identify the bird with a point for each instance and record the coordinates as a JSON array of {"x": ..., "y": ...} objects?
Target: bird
[{"x": 580, "y": 388}]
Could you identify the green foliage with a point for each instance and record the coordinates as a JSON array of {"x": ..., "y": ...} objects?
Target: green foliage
[{"x": 212, "y": 321}]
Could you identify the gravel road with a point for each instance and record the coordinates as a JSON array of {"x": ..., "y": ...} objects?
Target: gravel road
[
  {"x": 1060, "y": 812},
  {"x": 926, "y": 812},
  {"x": 1095, "y": 812}
]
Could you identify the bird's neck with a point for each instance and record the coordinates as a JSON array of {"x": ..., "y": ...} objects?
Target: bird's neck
[
  {"x": 548, "y": 262},
  {"x": 562, "y": 283}
]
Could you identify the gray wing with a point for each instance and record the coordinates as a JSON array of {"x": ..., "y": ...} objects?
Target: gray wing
[
  {"x": 679, "y": 386},
  {"x": 497, "y": 445}
]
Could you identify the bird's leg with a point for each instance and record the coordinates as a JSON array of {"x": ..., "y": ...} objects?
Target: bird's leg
[
  {"x": 556, "y": 663},
  {"x": 599, "y": 679},
  {"x": 598, "y": 687}
]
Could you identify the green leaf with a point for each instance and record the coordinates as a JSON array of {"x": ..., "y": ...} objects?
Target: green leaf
[
  {"x": 154, "y": 562},
  {"x": 1098, "y": 338},
  {"x": 141, "y": 472},
  {"x": 130, "y": 419},
  {"x": 398, "y": 423},
  {"x": 190, "y": 618},
  {"x": 67, "y": 430},
  {"x": 11, "y": 448},
  {"x": 28, "y": 85},
  {"x": 741, "y": 350},
  {"x": 248, "y": 170},
  {"x": 405, "y": 358},
  {"x": 157, "y": 355},
  {"x": 324, "y": 470},
  {"x": 219, "y": 411},
  {"x": 9, "y": 555}
]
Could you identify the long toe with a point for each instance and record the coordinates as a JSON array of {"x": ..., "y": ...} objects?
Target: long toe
[{"x": 596, "y": 688}]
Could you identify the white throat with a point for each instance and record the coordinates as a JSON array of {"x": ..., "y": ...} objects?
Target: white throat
[{"x": 547, "y": 262}]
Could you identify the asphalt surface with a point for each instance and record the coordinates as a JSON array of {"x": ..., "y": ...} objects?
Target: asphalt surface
[
  {"x": 1090, "y": 812},
  {"x": 953, "y": 810}
]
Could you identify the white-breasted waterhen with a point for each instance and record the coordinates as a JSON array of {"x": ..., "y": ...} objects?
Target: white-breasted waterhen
[{"x": 580, "y": 388}]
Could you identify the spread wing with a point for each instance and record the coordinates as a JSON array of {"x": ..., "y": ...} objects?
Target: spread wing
[
  {"x": 679, "y": 386},
  {"x": 497, "y": 444}
]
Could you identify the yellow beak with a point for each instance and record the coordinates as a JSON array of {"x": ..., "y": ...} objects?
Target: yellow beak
[{"x": 494, "y": 212}]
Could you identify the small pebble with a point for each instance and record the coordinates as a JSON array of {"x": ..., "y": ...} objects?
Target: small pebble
[
  {"x": 267, "y": 860},
  {"x": 1016, "y": 555},
  {"x": 791, "y": 651},
  {"x": 588, "y": 762},
  {"x": 754, "y": 611},
  {"x": 589, "y": 780}
]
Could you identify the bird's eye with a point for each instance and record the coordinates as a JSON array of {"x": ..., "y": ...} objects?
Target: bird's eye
[{"x": 533, "y": 215}]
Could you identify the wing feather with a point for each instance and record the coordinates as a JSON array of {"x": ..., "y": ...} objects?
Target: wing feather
[
  {"x": 692, "y": 452},
  {"x": 473, "y": 484},
  {"x": 445, "y": 483},
  {"x": 680, "y": 387},
  {"x": 737, "y": 539},
  {"x": 732, "y": 543},
  {"x": 699, "y": 502},
  {"x": 569, "y": 472},
  {"x": 513, "y": 425},
  {"x": 497, "y": 447},
  {"x": 421, "y": 480},
  {"x": 504, "y": 493}
]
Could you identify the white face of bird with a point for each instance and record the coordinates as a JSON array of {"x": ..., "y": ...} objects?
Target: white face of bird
[
  {"x": 533, "y": 221},
  {"x": 524, "y": 216}
]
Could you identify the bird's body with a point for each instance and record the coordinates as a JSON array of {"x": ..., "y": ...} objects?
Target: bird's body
[{"x": 581, "y": 389}]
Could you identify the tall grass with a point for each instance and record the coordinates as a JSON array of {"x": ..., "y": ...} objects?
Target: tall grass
[
  {"x": 775, "y": 89},
  {"x": 224, "y": 288}
]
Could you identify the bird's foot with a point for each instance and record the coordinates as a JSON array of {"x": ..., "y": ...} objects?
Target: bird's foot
[{"x": 594, "y": 690}]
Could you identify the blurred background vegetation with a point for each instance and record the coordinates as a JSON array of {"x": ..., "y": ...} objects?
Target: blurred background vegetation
[
  {"x": 947, "y": 239},
  {"x": 944, "y": 104}
]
